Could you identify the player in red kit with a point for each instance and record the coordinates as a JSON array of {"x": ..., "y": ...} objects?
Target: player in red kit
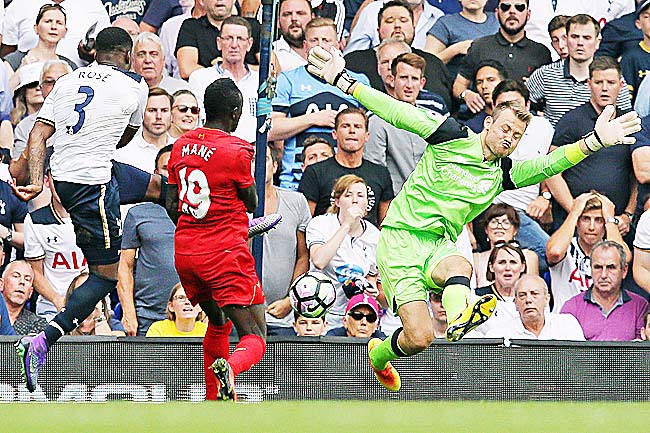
[{"x": 210, "y": 190}]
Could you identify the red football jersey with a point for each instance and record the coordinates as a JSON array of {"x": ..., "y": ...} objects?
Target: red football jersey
[{"x": 209, "y": 166}]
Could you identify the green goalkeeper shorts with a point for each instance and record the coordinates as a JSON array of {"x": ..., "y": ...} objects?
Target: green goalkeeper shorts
[{"x": 406, "y": 259}]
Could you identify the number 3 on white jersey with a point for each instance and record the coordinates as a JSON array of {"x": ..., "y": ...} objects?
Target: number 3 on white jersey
[{"x": 195, "y": 193}]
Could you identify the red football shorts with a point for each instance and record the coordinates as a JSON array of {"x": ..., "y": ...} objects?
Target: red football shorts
[{"x": 227, "y": 276}]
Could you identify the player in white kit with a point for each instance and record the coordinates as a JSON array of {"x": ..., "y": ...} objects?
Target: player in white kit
[{"x": 89, "y": 113}]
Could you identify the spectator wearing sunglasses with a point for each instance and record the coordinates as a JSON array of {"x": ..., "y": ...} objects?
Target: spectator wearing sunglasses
[
  {"x": 148, "y": 58},
  {"x": 501, "y": 222},
  {"x": 235, "y": 40},
  {"x": 510, "y": 46},
  {"x": 185, "y": 113},
  {"x": 361, "y": 319}
]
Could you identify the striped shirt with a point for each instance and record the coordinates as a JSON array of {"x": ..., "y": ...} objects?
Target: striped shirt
[{"x": 553, "y": 87}]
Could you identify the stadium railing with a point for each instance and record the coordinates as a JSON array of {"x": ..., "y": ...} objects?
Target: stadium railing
[{"x": 108, "y": 368}]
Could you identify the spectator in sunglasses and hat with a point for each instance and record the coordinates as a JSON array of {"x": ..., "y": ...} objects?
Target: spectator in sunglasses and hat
[{"x": 361, "y": 318}]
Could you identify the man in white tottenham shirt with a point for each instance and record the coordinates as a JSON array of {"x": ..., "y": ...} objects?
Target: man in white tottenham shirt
[
  {"x": 51, "y": 249},
  {"x": 142, "y": 150},
  {"x": 591, "y": 219},
  {"x": 534, "y": 321},
  {"x": 90, "y": 112},
  {"x": 234, "y": 42}
]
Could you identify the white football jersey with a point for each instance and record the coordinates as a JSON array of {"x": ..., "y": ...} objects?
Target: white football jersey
[
  {"x": 356, "y": 257},
  {"x": 51, "y": 238},
  {"x": 572, "y": 275},
  {"x": 90, "y": 109}
]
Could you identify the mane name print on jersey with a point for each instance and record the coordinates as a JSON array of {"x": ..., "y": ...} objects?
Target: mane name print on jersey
[{"x": 200, "y": 150}]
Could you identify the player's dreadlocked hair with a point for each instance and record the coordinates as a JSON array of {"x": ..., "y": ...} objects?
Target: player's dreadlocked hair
[
  {"x": 113, "y": 39},
  {"x": 221, "y": 99}
]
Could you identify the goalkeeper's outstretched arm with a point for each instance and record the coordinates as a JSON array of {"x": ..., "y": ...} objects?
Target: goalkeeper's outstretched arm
[
  {"x": 400, "y": 114},
  {"x": 330, "y": 66}
]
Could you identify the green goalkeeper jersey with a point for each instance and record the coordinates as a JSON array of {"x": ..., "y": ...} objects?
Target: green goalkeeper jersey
[{"x": 453, "y": 183}]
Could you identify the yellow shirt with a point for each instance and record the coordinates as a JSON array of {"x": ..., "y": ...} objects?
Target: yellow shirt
[{"x": 167, "y": 328}]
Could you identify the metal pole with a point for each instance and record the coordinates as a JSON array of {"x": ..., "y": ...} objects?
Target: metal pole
[{"x": 268, "y": 23}]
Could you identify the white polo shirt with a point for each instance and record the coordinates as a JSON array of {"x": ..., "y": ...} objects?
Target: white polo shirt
[
  {"x": 287, "y": 57},
  {"x": 556, "y": 327},
  {"x": 201, "y": 78},
  {"x": 138, "y": 153},
  {"x": 169, "y": 36},
  {"x": 570, "y": 276},
  {"x": 355, "y": 257}
]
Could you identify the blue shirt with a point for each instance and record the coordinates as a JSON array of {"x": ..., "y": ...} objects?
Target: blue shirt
[
  {"x": 607, "y": 171},
  {"x": 12, "y": 211},
  {"x": 450, "y": 29},
  {"x": 618, "y": 36},
  {"x": 5, "y": 323},
  {"x": 299, "y": 93},
  {"x": 635, "y": 65},
  {"x": 642, "y": 140},
  {"x": 160, "y": 11},
  {"x": 454, "y": 6}
]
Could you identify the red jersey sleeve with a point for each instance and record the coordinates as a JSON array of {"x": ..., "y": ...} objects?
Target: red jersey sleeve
[
  {"x": 171, "y": 165},
  {"x": 243, "y": 176}
]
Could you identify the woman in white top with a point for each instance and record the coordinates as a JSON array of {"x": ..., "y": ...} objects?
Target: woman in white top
[
  {"x": 506, "y": 264},
  {"x": 342, "y": 244},
  {"x": 50, "y": 28},
  {"x": 501, "y": 225}
]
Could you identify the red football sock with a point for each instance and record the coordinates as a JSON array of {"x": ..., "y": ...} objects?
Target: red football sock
[
  {"x": 215, "y": 345},
  {"x": 248, "y": 352}
]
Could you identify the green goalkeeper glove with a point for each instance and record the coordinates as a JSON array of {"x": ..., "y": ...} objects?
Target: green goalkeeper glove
[
  {"x": 610, "y": 132},
  {"x": 330, "y": 66}
]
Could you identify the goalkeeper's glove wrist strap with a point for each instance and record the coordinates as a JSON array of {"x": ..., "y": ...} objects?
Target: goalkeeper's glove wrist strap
[
  {"x": 344, "y": 81},
  {"x": 592, "y": 141}
]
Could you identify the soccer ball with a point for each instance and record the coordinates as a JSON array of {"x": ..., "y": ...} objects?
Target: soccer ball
[{"x": 312, "y": 294}]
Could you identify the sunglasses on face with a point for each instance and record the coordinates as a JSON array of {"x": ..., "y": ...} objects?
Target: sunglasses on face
[
  {"x": 358, "y": 315},
  {"x": 505, "y": 7},
  {"x": 183, "y": 109}
]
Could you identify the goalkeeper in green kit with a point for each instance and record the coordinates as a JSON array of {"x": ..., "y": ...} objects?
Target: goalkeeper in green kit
[{"x": 456, "y": 179}]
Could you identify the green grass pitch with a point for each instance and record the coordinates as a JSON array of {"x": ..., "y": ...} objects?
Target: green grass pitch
[{"x": 326, "y": 416}]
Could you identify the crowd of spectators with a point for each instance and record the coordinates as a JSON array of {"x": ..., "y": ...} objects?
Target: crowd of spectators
[{"x": 567, "y": 259}]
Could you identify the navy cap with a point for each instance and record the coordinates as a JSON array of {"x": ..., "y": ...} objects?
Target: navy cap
[{"x": 641, "y": 7}]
